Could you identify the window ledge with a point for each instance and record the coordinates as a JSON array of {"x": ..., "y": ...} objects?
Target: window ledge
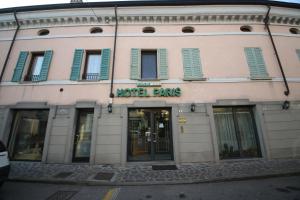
[
  {"x": 260, "y": 78},
  {"x": 195, "y": 79},
  {"x": 88, "y": 80},
  {"x": 242, "y": 159},
  {"x": 26, "y": 82},
  {"x": 149, "y": 80}
]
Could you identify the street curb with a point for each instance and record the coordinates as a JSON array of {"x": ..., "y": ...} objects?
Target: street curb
[{"x": 106, "y": 183}]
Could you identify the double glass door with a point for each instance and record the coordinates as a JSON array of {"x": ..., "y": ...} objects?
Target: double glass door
[{"x": 149, "y": 134}]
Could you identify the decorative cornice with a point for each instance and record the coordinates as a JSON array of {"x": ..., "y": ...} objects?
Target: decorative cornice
[
  {"x": 210, "y": 34},
  {"x": 153, "y": 15},
  {"x": 170, "y": 81}
]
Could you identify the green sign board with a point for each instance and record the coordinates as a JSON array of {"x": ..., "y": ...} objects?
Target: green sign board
[{"x": 143, "y": 92}]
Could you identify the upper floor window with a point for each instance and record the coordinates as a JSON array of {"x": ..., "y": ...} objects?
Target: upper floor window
[
  {"x": 35, "y": 66},
  {"x": 148, "y": 30},
  {"x": 294, "y": 31},
  {"x": 43, "y": 32},
  {"x": 246, "y": 28},
  {"x": 97, "y": 64},
  {"x": 92, "y": 65},
  {"x": 38, "y": 68},
  {"x": 188, "y": 29},
  {"x": 149, "y": 64},
  {"x": 256, "y": 63},
  {"x": 192, "y": 64},
  {"x": 96, "y": 30}
]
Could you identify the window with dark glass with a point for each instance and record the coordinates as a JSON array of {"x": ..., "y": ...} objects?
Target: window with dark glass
[
  {"x": 149, "y": 65},
  {"x": 28, "y": 134},
  {"x": 188, "y": 29},
  {"x": 96, "y": 30},
  {"x": 92, "y": 65},
  {"x": 35, "y": 67},
  {"x": 148, "y": 30},
  {"x": 43, "y": 32},
  {"x": 83, "y": 135},
  {"x": 236, "y": 132}
]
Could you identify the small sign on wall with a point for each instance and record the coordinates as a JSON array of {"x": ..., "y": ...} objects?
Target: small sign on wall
[{"x": 181, "y": 120}]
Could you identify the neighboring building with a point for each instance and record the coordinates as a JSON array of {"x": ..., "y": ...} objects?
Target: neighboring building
[{"x": 193, "y": 81}]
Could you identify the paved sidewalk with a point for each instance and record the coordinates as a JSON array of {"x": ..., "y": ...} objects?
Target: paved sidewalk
[{"x": 139, "y": 174}]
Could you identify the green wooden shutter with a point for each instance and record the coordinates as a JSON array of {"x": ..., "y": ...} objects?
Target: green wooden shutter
[
  {"x": 105, "y": 63},
  {"x": 20, "y": 66},
  {"x": 298, "y": 53},
  {"x": 135, "y": 66},
  {"x": 192, "y": 64},
  {"x": 162, "y": 55},
  {"x": 256, "y": 63},
  {"x": 45, "y": 65},
  {"x": 76, "y": 66}
]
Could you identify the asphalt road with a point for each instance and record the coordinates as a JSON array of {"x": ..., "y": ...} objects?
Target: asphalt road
[{"x": 280, "y": 188}]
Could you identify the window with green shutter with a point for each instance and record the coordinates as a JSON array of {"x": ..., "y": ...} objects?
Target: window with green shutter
[
  {"x": 149, "y": 64},
  {"x": 298, "y": 53},
  {"x": 256, "y": 63},
  {"x": 17, "y": 76},
  {"x": 192, "y": 64},
  {"x": 96, "y": 67},
  {"x": 76, "y": 65},
  {"x": 39, "y": 66}
]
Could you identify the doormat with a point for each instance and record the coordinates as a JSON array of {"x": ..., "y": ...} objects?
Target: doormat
[
  {"x": 105, "y": 176},
  {"x": 164, "y": 167},
  {"x": 62, "y": 175},
  {"x": 62, "y": 195}
]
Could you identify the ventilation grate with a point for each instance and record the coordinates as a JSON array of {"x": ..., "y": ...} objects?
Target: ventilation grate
[
  {"x": 164, "y": 167},
  {"x": 62, "y": 174},
  {"x": 62, "y": 195},
  {"x": 104, "y": 176}
]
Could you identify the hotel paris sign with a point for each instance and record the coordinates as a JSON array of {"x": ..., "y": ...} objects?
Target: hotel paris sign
[{"x": 142, "y": 90}]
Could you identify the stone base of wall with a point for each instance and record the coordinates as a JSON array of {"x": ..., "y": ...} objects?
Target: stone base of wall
[{"x": 194, "y": 138}]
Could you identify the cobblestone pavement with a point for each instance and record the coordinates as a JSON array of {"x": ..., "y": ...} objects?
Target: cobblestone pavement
[{"x": 144, "y": 174}]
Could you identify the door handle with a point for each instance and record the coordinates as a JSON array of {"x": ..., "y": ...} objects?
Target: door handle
[{"x": 154, "y": 135}]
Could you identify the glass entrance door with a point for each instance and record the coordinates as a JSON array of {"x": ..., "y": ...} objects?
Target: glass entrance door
[
  {"x": 83, "y": 135},
  {"x": 149, "y": 134}
]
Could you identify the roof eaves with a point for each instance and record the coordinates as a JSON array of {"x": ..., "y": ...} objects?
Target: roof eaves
[{"x": 148, "y": 3}]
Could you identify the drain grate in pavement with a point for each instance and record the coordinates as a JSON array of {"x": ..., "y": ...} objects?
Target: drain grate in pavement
[
  {"x": 164, "y": 167},
  {"x": 62, "y": 174},
  {"x": 293, "y": 188},
  {"x": 104, "y": 176},
  {"x": 282, "y": 190},
  {"x": 62, "y": 195}
]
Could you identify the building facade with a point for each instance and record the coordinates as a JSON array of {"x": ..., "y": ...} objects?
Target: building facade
[{"x": 113, "y": 83}]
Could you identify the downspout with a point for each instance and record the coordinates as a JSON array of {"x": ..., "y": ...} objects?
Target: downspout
[
  {"x": 11, "y": 46},
  {"x": 266, "y": 21},
  {"x": 111, "y": 95}
]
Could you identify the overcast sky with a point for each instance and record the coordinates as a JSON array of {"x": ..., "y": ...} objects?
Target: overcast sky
[{"x": 17, "y": 3}]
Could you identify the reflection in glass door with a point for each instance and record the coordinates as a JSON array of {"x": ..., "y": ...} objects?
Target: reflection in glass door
[
  {"x": 28, "y": 134},
  {"x": 83, "y": 135},
  {"x": 149, "y": 135}
]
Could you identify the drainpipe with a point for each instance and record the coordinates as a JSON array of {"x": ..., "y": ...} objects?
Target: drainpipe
[
  {"x": 11, "y": 46},
  {"x": 266, "y": 21},
  {"x": 111, "y": 95}
]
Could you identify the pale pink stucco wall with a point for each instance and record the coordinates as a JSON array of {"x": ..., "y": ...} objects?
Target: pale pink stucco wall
[{"x": 222, "y": 56}]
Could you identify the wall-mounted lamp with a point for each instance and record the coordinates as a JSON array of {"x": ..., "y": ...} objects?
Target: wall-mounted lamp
[
  {"x": 193, "y": 107},
  {"x": 285, "y": 105},
  {"x": 109, "y": 108}
]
